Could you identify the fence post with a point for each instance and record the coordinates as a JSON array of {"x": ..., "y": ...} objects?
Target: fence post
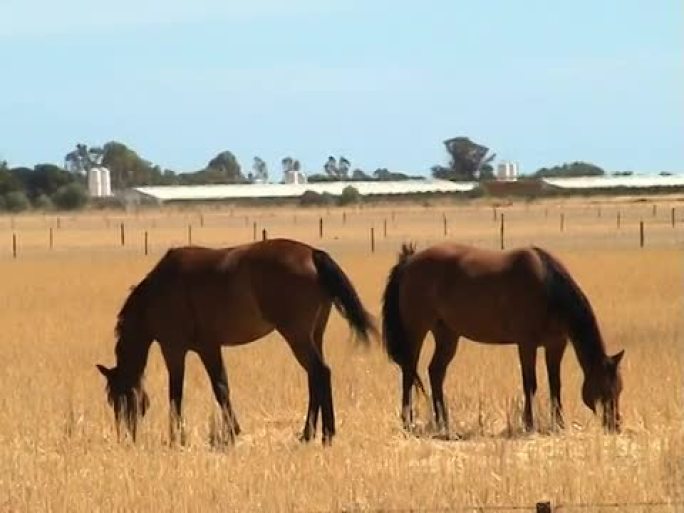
[
  {"x": 444, "y": 222},
  {"x": 618, "y": 220},
  {"x": 384, "y": 228},
  {"x": 494, "y": 213},
  {"x": 264, "y": 235},
  {"x": 122, "y": 234},
  {"x": 146, "y": 243},
  {"x": 543, "y": 507},
  {"x": 672, "y": 216},
  {"x": 372, "y": 239},
  {"x": 641, "y": 234},
  {"x": 51, "y": 238},
  {"x": 189, "y": 235},
  {"x": 254, "y": 230},
  {"x": 502, "y": 231},
  {"x": 201, "y": 220},
  {"x": 320, "y": 227},
  {"x": 14, "y": 245}
]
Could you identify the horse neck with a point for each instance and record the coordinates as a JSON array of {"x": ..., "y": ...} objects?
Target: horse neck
[
  {"x": 131, "y": 359},
  {"x": 589, "y": 347}
]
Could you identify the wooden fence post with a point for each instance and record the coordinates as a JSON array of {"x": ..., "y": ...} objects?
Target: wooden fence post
[
  {"x": 146, "y": 246},
  {"x": 122, "y": 234},
  {"x": 189, "y": 235},
  {"x": 264, "y": 235},
  {"x": 320, "y": 227},
  {"x": 14, "y": 245},
  {"x": 444, "y": 222},
  {"x": 641, "y": 234},
  {"x": 254, "y": 230},
  {"x": 672, "y": 217},
  {"x": 494, "y": 214},
  {"x": 384, "y": 228},
  {"x": 372, "y": 239},
  {"x": 618, "y": 220},
  {"x": 502, "y": 231},
  {"x": 51, "y": 238},
  {"x": 543, "y": 507}
]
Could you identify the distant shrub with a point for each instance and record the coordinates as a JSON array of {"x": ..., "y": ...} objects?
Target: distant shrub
[
  {"x": 43, "y": 202},
  {"x": 70, "y": 197},
  {"x": 16, "y": 201},
  {"x": 314, "y": 199},
  {"x": 350, "y": 195}
]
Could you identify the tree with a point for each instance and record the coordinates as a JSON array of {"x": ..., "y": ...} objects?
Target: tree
[
  {"x": 127, "y": 168},
  {"x": 330, "y": 167},
  {"x": 350, "y": 195},
  {"x": 70, "y": 197},
  {"x": 468, "y": 161},
  {"x": 259, "y": 169},
  {"x": 343, "y": 168},
  {"x": 572, "y": 169},
  {"x": 360, "y": 176},
  {"x": 16, "y": 201}
]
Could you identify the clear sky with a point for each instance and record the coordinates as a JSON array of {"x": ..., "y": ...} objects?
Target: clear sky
[{"x": 381, "y": 82}]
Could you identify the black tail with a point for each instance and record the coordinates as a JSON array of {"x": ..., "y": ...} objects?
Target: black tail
[
  {"x": 343, "y": 295},
  {"x": 568, "y": 302},
  {"x": 393, "y": 333}
]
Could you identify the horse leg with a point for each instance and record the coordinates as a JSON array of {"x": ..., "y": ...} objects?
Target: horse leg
[
  {"x": 446, "y": 342},
  {"x": 320, "y": 388},
  {"x": 554, "y": 355},
  {"x": 311, "y": 421},
  {"x": 175, "y": 364},
  {"x": 528, "y": 360},
  {"x": 213, "y": 363},
  {"x": 409, "y": 376}
]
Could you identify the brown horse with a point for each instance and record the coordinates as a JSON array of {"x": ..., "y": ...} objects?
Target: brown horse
[
  {"x": 524, "y": 297},
  {"x": 200, "y": 299}
]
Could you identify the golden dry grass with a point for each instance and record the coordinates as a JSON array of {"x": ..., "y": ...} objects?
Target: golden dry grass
[{"x": 57, "y": 440}]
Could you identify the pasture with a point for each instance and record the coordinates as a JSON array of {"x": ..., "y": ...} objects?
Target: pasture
[{"x": 58, "y": 443}]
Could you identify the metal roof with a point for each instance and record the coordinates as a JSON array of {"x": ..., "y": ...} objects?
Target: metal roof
[
  {"x": 605, "y": 182},
  {"x": 274, "y": 190}
]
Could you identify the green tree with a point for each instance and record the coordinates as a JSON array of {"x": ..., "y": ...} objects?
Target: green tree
[
  {"x": 70, "y": 197},
  {"x": 127, "y": 168},
  {"x": 350, "y": 195},
  {"x": 468, "y": 161},
  {"x": 573, "y": 169},
  {"x": 16, "y": 201}
]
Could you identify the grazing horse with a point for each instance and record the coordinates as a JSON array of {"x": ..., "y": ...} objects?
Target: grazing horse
[
  {"x": 523, "y": 296},
  {"x": 200, "y": 299}
]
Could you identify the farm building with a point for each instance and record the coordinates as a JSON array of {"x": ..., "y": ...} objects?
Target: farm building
[
  {"x": 167, "y": 193},
  {"x": 617, "y": 182}
]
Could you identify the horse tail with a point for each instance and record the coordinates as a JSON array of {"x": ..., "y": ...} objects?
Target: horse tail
[
  {"x": 393, "y": 331},
  {"x": 568, "y": 302},
  {"x": 344, "y": 296}
]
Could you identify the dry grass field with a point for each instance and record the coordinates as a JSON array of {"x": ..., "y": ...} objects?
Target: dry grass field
[{"x": 58, "y": 447}]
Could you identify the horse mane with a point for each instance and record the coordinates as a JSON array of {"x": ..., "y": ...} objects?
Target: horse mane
[
  {"x": 132, "y": 333},
  {"x": 571, "y": 305}
]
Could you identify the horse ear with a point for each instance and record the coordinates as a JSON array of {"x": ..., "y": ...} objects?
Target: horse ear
[
  {"x": 617, "y": 358},
  {"x": 104, "y": 370}
]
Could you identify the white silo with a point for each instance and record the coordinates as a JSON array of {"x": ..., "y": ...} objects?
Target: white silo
[
  {"x": 94, "y": 182},
  {"x": 105, "y": 182}
]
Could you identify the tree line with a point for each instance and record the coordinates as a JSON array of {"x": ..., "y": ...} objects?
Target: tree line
[{"x": 48, "y": 185}]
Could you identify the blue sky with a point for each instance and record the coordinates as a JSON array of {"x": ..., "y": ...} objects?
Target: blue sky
[{"x": 383, "y": 83}]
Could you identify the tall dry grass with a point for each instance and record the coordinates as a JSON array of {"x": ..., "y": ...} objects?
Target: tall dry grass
[{"x": 58, "y": 449}]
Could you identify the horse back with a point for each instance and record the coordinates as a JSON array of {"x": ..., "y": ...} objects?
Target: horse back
[{"x": 489, "y": 296}]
